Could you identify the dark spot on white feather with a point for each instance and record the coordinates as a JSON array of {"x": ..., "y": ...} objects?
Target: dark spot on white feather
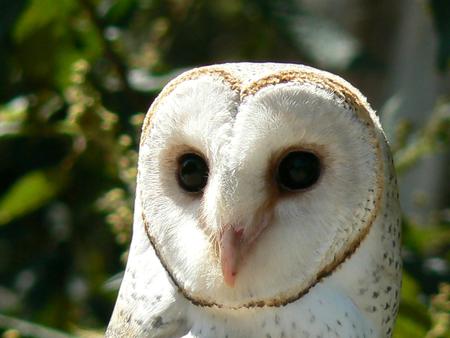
[
  {"x": 277, "y": 320},
  {"x": 157, "y": 322}
]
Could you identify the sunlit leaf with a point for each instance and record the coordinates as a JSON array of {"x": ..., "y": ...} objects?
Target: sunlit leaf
[
  {"x": 440, "y": 313},
  {"x": 12, "y": 116},
  {"x": 27, "y": 194},
  {"x": 82, "y": 333}
]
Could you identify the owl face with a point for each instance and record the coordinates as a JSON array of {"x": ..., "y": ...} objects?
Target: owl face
[{"x": 253, "y": 191}]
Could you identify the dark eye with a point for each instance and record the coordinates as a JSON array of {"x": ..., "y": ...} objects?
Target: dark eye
[
  {"x": 298, "y": 170},
  {"x": 192, "y": 172}
]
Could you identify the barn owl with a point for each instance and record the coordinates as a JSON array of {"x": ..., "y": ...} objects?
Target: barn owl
[{"x": 266, "y": 206}]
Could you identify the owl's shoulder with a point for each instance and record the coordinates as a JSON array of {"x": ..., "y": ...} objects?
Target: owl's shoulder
[{"x": 158, "y": 312}]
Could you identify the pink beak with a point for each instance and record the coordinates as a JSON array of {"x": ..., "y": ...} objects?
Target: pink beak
[{"x": 230, "y": 252}]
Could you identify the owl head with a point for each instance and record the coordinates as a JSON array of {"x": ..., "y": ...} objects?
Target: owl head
[{"x": 256, "y": 181}]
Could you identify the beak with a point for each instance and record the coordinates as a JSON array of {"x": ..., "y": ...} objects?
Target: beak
[
  {"x": 230, "y": 243},
  {"x": 235, "y": 243}
]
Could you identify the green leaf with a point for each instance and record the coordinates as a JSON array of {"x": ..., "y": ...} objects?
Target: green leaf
[
  {"x": 427, "y": 240},
  {"x": 39, "y": 14},
  {"x": 15, "y": 110},
  {"x": 408, "y": 328},
  {"x": 413, "y": 320},
  {"x": 27, "y": 194},
  {"x": 31, "y": 329}
]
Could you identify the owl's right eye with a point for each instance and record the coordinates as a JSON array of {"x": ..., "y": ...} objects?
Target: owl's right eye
[
  {"x": 192, "y": 172},
  {"x": 298, "y": 170}
]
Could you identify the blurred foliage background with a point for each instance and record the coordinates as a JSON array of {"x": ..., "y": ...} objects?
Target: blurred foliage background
[{"x": 76, "y": 77}]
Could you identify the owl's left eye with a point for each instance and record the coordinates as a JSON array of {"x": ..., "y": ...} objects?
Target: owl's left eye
[{"x": 192, "y": 172}]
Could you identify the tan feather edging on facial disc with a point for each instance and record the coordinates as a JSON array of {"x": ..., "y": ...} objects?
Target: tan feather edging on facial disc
[{"x": 351, "y": 99}]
